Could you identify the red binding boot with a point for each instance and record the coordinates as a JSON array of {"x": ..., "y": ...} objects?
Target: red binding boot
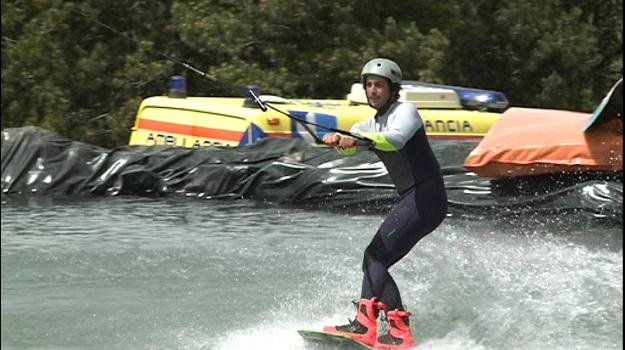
[
  {"x": 399, "y": 336},
  {"x": 365, "y": 327}
]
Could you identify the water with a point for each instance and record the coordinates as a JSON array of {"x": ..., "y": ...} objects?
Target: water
[{"x": 172, "y": 273}]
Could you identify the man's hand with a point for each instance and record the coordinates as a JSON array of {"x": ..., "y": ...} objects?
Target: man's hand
[
  {"x": 347, "y": 142},
  {"x": 340, "y": 141},
  {"x": 331, "y": 139}
]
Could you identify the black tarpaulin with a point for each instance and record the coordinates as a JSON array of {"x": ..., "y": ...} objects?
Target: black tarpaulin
[{"x": 290, "y": 172}]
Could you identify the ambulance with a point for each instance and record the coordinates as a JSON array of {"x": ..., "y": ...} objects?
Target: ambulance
[{"x": 178, "y": 120}]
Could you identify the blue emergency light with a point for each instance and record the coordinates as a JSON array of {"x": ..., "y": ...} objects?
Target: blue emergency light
[{"x": 177, "y": 86}]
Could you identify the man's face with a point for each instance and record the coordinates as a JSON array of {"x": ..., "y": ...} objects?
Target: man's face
[{"x": 378, "y": 91}]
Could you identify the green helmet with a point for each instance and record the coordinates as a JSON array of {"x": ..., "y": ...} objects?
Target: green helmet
[{"x": 382, "y": 67}]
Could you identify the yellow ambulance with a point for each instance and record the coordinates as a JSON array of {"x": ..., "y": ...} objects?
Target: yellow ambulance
[{"x": 178, "y": 120}]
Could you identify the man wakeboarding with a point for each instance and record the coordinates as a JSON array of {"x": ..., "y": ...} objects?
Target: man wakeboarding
[{"x": 398, "y": 137}]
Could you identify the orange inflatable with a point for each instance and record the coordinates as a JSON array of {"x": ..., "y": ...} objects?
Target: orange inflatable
[{"x": 528, "y": 141}]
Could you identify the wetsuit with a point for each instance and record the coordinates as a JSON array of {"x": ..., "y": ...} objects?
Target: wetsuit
[{"x": 401, "y": 144}]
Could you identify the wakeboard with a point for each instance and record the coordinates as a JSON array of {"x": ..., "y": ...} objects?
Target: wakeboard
[{"x": 331, "y": 340}]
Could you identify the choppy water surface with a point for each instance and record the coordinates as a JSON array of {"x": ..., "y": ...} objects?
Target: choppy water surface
[{"x": 144, "y": 273}]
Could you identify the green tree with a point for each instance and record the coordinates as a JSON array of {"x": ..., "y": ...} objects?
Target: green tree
[
  {"x": 63, "y": 69},
  {"x": 63, "y": 72},
  {"x": 302, "y": 48},
  {"x": 540, "y": 53}
]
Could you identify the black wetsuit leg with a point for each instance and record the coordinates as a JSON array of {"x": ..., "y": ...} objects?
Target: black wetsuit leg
[{"x": 411, "y": 219}]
